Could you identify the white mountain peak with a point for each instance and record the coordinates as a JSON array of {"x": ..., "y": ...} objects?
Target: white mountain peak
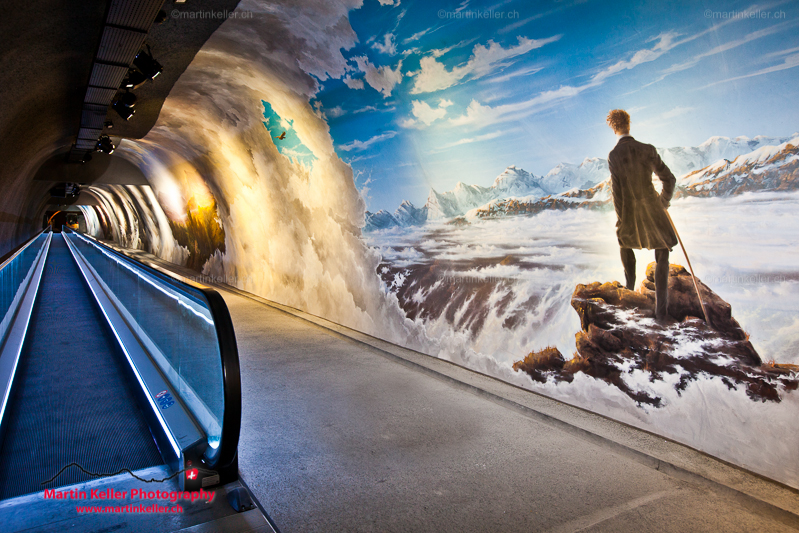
[{"x": 716, "y": 154}]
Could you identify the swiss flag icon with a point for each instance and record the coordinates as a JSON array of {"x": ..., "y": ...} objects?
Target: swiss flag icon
[{"x": 191, "y": 473}]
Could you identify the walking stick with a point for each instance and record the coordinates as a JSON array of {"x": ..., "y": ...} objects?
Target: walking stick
[{"x": 693, "y": 276}]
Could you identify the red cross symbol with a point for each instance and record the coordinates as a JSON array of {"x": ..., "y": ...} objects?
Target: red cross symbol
[{"x": 191, "y": 474}]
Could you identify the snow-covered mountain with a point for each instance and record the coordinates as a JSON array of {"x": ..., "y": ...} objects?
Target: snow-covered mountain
[
  {"x": 682, "y": 160},
  {"x": 718, "y": 166},
  {"x": 773, "y": 168},
  {"x": 567, "y": 176},
  {"x": 380, "y": 220},
  {"x": 409, "y": 215},
  {"x": 767, "y": 168},
  {"x": 517, "y": 182},
  {"x": 511, "y": 182},
  {"x": 452, "y": 203}
]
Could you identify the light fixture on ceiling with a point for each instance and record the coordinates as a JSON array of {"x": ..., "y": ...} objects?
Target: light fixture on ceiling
[
  {"x": 105, "y": 145},
  {"x": 134, "y": 79},
  {"x": 124, "y": 105},
  {"x": 65, "y": 190},
  {"x": 147, "y": 64}
]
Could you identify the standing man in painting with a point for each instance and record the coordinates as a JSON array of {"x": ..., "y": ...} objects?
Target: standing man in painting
[{"x": 642, "y": 221}]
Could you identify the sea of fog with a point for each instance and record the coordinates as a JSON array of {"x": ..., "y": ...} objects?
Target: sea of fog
[{"x": 745, "y": 248}]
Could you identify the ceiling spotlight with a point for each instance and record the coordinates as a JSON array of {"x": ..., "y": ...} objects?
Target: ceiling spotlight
[
  {"x": 65, "y": 190},
  {"x": 122, "y": 111},
  {"x": 108, "y": 124},
  {"x": 124, "y": 105},
  {"x": 127, "y": 99},
  {"x": 161, "y": 17},
  {"x": 105, "y": 145},
  {"x": 134, "y": 79},
  {"x": 148, "y": 66}
]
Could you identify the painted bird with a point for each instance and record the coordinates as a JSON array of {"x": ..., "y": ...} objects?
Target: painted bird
[{"x": 281, "y": 137}]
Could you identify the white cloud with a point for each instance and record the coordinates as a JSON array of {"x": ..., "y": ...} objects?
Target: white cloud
[
  {"x": 484, "y": 115},
  {"x": 363, "y": 145},
  {"x": 389, "y": 2},
  {"x": 779, "y": 53},
  {"x": 382, "y": 79},
  {"x": 374, "y": 108},
  {"x": 665, "y": 42},
  {"x": 353, "y": 83},
  {"x": 469, "y": 140},
  {"x": 317, "y": 109},
  {"x": 425, "y": 114},
  {"x": 515, "y": 74},
  {"x": 365, "y": 109},
  {"x": 388, "y": 46},
  {"x": 438, "y": 52},
  {"x": 335, "y": 112},
  {"x": 324, "y": 32},
  {"x": 676, "y": 112},
  {"x": 685, "y": 65},
  {"x": 791, "y": 61},
  {"x": 416, "y": 36},
  {"x": 477, "y": 113},
  {"x": 518, "y": 24},
  {"x": 434, "y": 76}
]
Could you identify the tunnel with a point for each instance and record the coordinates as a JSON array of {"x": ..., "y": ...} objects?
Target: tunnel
[{"x": 395, "y": 265}]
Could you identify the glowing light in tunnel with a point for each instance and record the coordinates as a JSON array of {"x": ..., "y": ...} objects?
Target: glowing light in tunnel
[{"x": 167, "y": 187}]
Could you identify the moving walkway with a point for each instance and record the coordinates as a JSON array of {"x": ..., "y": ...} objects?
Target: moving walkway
[{"x": 108, "y": 365}]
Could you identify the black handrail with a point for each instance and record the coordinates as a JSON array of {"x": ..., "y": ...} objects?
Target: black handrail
[
  {"x": 225, "y": 460},
  {"x": 229, "y": 440}
]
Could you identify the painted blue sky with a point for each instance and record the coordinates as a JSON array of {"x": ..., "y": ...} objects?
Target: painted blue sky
[
  {"x": 290, "y": 145},
  {"x": 436, "y": 95}
]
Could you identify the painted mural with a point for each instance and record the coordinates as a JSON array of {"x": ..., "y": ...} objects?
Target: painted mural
[{"x": 436, "y": 174}]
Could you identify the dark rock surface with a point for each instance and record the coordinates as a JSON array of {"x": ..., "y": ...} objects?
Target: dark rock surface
[{"x": 620, "y": 335}]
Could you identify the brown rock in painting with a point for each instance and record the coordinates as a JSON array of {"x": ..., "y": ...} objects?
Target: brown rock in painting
[
  {"x": 536, "y": 363},
  {"x": 619, "y": 336},
  {"x": 683, "y": 301}
]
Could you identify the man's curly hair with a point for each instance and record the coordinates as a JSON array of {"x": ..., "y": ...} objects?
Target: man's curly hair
[{"x": 619, "y": 120}]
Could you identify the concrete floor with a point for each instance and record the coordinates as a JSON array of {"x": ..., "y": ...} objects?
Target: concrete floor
[{"x": 341, "y": 436}]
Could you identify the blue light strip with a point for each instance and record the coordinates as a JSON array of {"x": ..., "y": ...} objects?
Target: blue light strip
[
  {"x": 161, "y": 420},
  {"x": 170, "y": 294},
  {"x": 41, "y": 260},
  {"x": 7, "y": 261}
]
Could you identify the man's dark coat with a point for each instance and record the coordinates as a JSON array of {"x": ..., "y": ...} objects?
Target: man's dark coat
[{"x": 641, "y": 218}]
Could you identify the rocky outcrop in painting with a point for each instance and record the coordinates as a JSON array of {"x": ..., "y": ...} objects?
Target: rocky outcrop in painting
[{"x": 620, "y": 335}]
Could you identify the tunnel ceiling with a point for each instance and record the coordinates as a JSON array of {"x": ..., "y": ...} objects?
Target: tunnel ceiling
[
  {"x": 174, "y": 44},
  {"x": 46, "y": 57}
]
